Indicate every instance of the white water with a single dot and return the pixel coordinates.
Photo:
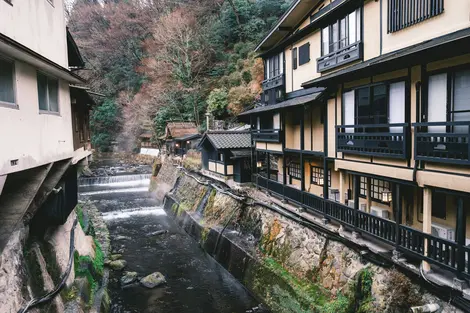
(157, 210)
(130, 183)
(137, 189)
(109, 180)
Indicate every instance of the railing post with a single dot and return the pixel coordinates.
(357, 183)
(398, 216)
(461, 235)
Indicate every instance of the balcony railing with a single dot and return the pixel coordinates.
(385, 140)
(273, 82)
(268, 135)
(340, 57)
(424, 246)
(443, 142)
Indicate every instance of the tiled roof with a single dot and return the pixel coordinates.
(228, 139)
(180, 129)
(241, 153)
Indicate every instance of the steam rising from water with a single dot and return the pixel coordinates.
(156, 210)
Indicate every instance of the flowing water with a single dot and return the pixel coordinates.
(195, 282)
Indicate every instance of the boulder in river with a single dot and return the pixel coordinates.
(128, 278)
(117, 265)
(115, 257)
(153, 280)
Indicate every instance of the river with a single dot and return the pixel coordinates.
(195, 282)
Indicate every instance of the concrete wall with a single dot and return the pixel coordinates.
(38, 25)
(28, 136)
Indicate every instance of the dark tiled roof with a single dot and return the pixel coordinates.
(285, 104)
(228, 139)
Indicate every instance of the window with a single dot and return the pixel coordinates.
(294, 170)
(402, 15)
(377, 187)
(294, 58)
(221, 157)
(342, 33)
(444, 105)
(48, 92)
(274, 66)
(7, 90)
(439, 204)
(316, 176)
(304, 54)
(377, 104)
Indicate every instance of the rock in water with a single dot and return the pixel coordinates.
(117, 265)
(157, 233)
(128, 277)
(153, 280)
(115, 257)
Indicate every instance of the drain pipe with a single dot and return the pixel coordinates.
(433, 307)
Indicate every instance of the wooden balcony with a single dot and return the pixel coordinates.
(383, 140)
(266, 135)
(273, 82)
(340, 57)
(413, 242)
(443, 142)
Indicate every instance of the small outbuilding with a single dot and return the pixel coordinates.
(227, 153)
(181, 137)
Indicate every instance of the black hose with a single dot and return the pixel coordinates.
(50, 295)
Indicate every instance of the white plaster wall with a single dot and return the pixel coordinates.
(32, 138)
(38, 25)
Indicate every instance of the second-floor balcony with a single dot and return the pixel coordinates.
(266, 135)
(383, 140)
(443, 142)
(340, 57)
(273, 82)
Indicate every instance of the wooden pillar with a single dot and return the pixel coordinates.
(398, 213)
(460, 236)
(325, 178)
(427, 218)
(302, 165)
(369, 194)
(325, 150)
(357, 184)
(342, 187)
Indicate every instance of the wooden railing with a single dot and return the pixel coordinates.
(273, 82)
(443, 142)
(340, 57)
(269, 135)
(386, 140)
(421, 245)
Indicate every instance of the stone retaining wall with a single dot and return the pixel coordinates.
(290, 267)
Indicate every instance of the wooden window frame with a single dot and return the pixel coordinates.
(293, 170)
(316, 173)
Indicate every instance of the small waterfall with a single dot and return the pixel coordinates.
(154, 210)
(119, 180)
(203, 202)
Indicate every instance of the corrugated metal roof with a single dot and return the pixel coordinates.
(285, 104)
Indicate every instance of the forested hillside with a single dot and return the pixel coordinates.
(161, 60)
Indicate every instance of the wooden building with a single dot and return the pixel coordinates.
(365, 121)
(180, 137)
(228, 154)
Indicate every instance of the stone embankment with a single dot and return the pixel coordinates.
(290, 267)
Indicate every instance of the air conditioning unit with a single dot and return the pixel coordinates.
(376, 211)
(363, 207)
(443, 232)
(333, 194)
(351, 203)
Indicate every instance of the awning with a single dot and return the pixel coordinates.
(286, 104)
(240, 154)
(428, 51)
(20, 52)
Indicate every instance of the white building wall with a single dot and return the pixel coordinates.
(37, 24)
(27, 136)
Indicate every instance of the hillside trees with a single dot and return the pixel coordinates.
(162, 60)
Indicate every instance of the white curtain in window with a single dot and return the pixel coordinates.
(396, 106)
(358, 24)
(352, 28)
(281, 63)
(325, 40)
(437, 99)
(461, 99)
(348, 106)
(268, 61)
